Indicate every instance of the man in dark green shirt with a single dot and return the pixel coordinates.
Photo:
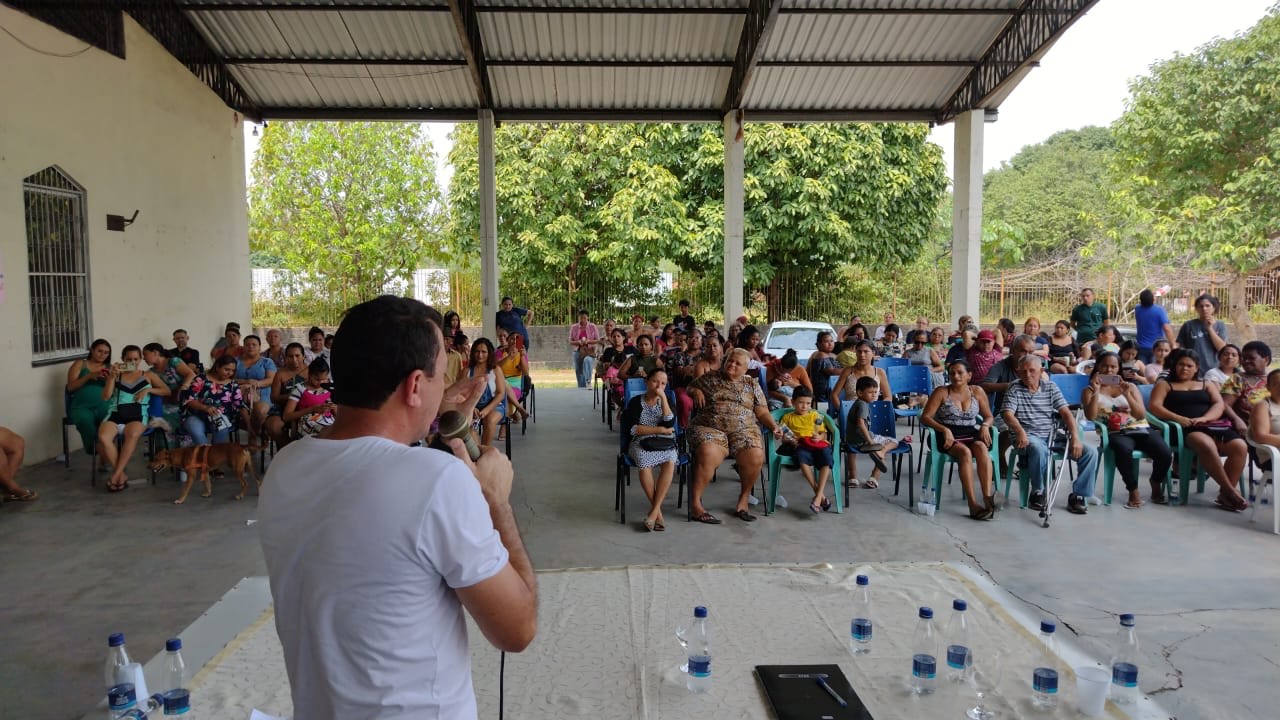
(1088, 317)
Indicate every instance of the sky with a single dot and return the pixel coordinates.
(1083, 80)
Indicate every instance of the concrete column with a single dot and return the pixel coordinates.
(966, 216)
(488, 226)
(732, 217)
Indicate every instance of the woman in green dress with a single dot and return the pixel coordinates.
(85, 379)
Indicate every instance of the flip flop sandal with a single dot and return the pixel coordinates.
(648, 524)
(25, 496)
(871, 484)
(853, 483)
(826, 504)
(744, 516)
(658, 526)
(707, 518)
(815, 508)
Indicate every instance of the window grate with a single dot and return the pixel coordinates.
(57, 266)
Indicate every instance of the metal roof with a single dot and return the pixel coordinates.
(679, 60)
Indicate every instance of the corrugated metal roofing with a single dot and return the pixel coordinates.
(572, 59)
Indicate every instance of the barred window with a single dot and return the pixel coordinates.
(57, 265)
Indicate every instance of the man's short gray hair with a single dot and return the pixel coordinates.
(1024, 338)
(1029, 359)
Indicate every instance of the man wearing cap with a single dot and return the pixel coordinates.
(684, 320)
(984, 354)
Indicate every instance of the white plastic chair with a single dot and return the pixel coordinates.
(1268, 488)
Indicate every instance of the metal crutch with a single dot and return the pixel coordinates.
(1053, 479)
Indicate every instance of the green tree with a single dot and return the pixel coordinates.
(817, 196)
(1046, 201)
(579, 206)
(607, 202)
(1198, 158)
(349, 207)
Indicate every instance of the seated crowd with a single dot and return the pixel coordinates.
(993, 407)
(275, 394)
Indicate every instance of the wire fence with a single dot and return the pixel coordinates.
(1047, 292)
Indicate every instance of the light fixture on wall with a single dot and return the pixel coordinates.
(118, 222)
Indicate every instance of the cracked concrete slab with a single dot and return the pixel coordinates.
(79, 564)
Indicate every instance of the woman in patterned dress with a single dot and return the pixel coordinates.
(649, 416)
(729, 404)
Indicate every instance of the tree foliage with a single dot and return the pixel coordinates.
(1046, 201)
(578, 206)
(349, 206)
(1198, 156)
(583, 205)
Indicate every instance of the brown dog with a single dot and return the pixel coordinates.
(201, 460)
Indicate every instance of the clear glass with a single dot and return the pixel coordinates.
(983, 676)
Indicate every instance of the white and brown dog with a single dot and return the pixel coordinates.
(201, 460)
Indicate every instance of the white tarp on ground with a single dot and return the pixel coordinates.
(606, 645)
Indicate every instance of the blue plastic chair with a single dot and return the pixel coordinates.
(625, 463)
(882, 422)
(906, 379)
(888, 362)
(776, 462)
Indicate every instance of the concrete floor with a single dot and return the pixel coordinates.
(79, 564)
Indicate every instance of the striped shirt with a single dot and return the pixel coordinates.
(1034, 410)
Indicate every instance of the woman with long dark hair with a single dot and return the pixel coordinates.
(492, 404)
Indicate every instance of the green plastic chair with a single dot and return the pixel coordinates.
(1109, 458)
(776, 462)
(936, 460)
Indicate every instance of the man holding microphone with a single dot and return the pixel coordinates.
(374, 547)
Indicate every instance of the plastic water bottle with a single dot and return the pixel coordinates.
(699, 678)
(123, 703)
(860, 626)
(1124, 663)
(959, 656)
(116, 670)
(177, 699)
(1044, 678)
(924, 654)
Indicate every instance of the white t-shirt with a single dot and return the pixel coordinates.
(364, 540)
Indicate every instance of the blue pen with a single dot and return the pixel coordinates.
(822, 680)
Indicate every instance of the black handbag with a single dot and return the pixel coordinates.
(658, 443)
(127, 413)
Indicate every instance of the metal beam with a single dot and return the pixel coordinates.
(467, 24)
(435, 6)
(165, 22)
(761, 17)
(697, 115)
(462, 62)
(440, 62)
(267, 6)
(1035, 26)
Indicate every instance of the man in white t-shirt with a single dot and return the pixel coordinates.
(375, 547)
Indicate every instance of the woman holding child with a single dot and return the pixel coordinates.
(863, 365)
(651, 423)
(961, 419)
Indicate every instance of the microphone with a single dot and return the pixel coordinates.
(453, 424)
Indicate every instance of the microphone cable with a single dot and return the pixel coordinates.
(502, 671)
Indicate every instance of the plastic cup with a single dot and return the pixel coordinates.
(1091, 690)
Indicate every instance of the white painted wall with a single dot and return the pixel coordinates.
(141, 133)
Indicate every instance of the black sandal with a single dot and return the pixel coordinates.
(744, 516)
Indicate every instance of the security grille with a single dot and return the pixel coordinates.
(57, 265)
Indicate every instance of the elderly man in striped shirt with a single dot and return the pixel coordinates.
(1028, 408)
